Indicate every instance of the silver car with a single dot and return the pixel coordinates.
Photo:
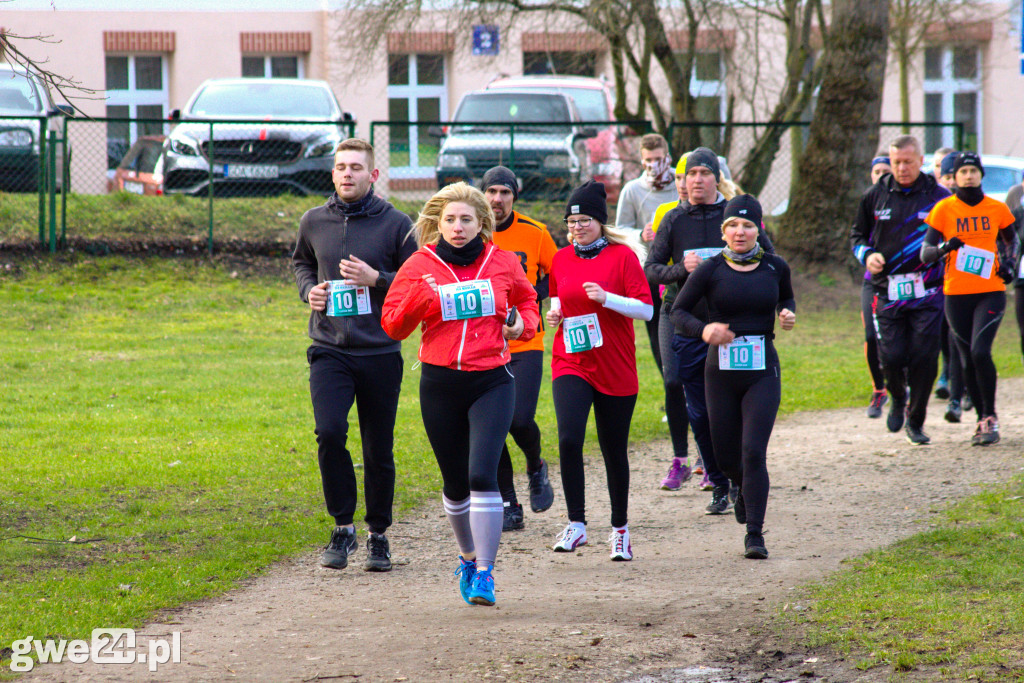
(24, 102)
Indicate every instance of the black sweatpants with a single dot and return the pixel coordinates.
(1018, 305)
(528, 368)
(908, 347)
(742, 405)
(466, 416)
(573, 397)
(336, 380)
(974, 320)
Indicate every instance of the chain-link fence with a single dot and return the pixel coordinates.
(737, 142)
(416, 159)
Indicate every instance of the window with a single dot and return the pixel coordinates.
(417, 91)
(952, 87)
(136, 89)
(272, 66)
(707, 86)
(560, 63)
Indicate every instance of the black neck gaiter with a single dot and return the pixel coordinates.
(971, 196)
(460, 256)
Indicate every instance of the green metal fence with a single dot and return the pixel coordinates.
(548, 158)
(735, 142)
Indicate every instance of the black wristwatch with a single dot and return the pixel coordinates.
(381, 282)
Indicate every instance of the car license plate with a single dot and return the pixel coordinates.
(134, 188)
(249, 171)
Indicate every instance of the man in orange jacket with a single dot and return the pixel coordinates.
(533, 244)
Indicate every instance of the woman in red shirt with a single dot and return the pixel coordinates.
(597, 288)
(461, 289)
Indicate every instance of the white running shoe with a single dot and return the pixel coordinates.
(571, 538)
(622, 550)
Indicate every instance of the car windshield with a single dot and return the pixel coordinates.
(515, 108)
(999, 178)
(590, 102)
(264, 100)
(17, 94)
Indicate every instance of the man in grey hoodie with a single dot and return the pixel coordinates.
(346, 256)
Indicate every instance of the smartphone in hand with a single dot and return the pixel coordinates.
(511, 319)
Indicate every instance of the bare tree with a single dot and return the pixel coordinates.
(844, 132)
(67, 87)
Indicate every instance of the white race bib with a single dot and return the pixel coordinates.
(470, 299)
(581, 333)
(975, 261)
(345, 300)
(906, 287)
(704, 252)
(742, 353)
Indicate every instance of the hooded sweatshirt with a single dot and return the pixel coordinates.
(376, 233)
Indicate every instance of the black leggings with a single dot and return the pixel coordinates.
(466, 416)
(974, 320)
(528, 368)
(653, 327)
(573, 397)
(1018, 305)
(742, 405)
(867, 298)
(675, 397)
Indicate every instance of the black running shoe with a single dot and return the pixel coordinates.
(739, 509)
(541, 493)
(897, 413)
(915, 436)
(343, 543)
(878, 399)
(754, 548)
(719, 504)
(512, 517)
(378, 553)
(953, 411)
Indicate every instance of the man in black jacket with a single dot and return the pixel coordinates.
(689, 233)
(346, 256)
(908, 307)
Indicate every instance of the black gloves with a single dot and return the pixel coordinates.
(949, 245)
(1005, 273)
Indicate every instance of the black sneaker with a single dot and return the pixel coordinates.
(541, 493)
(719, 504)
(953, 411)
(878, 399)
(915, 436)
(512, 517)
(894, 422)
(739, 509)
(343, 542)
(378, 553)
(754, 548)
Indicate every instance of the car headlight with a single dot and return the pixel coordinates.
(15, 138)
(451, 160)
(559, 161)
(324, 147)
(184, 147)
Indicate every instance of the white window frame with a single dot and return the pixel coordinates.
(133, 98)
(300, 66)
(413, 92)
(947, 86)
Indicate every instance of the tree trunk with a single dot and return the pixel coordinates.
(843, 134)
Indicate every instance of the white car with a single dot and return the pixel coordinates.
(1001, 173)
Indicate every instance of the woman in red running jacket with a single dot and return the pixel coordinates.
(597, 288)
(470, 297)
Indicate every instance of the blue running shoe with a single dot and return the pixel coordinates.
(482, 590)
(465, 573)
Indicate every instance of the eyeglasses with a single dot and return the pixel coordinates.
(582, 222)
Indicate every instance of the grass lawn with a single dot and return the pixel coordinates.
(156, 435)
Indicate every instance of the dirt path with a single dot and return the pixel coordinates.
(841, 484)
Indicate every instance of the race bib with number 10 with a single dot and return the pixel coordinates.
(975, 261)
(345, 300)
(581, 333)
(742, 353)
(906, 286)
(463, 300)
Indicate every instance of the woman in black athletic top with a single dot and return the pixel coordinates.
(744, 287)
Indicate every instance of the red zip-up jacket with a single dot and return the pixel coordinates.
(474, 344)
